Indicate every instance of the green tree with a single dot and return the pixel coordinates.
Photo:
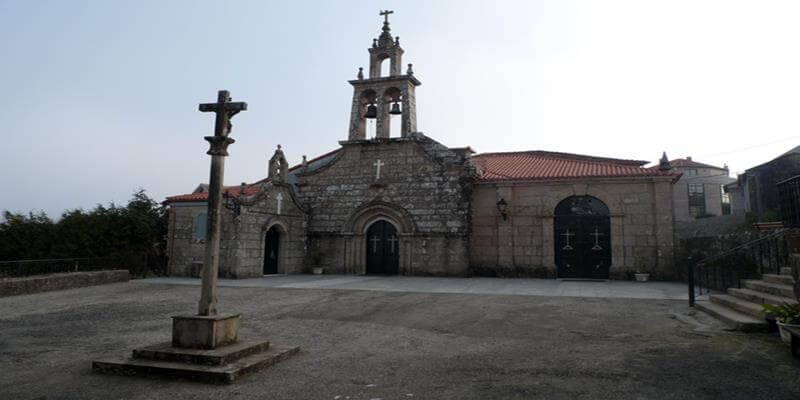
(135, 233)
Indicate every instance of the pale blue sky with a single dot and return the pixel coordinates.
(100, 97)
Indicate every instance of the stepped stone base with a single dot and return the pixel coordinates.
(223, 364)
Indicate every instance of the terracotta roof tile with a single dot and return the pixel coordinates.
(234, 191)
(544, 165)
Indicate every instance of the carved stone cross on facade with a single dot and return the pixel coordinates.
(385, 15)
(567, 234)
(378, 164)
(279, 198)
(392, 240)
(225, 110)
(597, 235)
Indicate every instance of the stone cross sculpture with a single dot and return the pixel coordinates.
(205, 347)
(225, 110)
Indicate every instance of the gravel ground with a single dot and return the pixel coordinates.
(396, 345)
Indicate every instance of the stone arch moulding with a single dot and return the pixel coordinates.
(276, 221)
(368, 213)
(614, 207)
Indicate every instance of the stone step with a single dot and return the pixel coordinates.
(786, 271)
(734, 319)
(737, 304)
(227, 373)
(782, 279)
(758, 297)
(220, 356)
(776, 289)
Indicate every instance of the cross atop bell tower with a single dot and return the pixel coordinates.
(385, 46)
(379, 97)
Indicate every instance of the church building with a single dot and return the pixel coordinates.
(403, 203)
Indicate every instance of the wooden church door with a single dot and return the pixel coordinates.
(271, 251)
(582, 238)
(383, 249)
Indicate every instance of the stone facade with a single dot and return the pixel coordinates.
(242, 245)
(438, 204)
(423, 190)
(524, 244)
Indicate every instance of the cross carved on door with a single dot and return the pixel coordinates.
(567, 234)
(375, 240)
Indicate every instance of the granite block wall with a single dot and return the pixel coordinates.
(523, 245)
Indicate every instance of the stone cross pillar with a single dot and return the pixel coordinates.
(225, 110)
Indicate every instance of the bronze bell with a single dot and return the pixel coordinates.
(372, 112)
(395, 109)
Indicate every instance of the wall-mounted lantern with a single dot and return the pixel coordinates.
(502, 206)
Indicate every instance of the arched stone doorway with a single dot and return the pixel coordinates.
(272, 242)
(383, 249)
(582, 230)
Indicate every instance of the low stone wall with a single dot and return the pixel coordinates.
(44, 283)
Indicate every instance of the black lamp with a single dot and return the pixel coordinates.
(502, 206)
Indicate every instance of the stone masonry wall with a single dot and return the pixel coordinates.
(242, 242)
(640, 215)
(424, 190)
(44, 283)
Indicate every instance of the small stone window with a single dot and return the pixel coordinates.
(200, 227)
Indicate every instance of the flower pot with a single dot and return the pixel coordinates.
(642, 277)
(785, 335)
(317, 270)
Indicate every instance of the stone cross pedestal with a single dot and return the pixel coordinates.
(207, 330)
(206, 346)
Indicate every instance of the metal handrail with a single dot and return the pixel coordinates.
(779, 232)
(720, 276)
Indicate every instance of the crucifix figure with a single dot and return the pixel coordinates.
(378, 164)
(225, 110)
(596, 235)
(375, 241)
(392, 240)
(385, 15)
(567, 234)
(279, 198)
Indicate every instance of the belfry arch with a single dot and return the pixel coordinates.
(370, 92)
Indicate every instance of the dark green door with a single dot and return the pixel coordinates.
(582, 240)
(383, 249)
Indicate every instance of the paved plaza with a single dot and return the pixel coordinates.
(402, 338)
(524, 287)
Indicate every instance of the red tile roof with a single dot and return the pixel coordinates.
(545, 165)
(687, 163)
(235, 191)
(524, 165)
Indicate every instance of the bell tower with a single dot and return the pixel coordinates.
(379, 97)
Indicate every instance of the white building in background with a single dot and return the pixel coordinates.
(700, 192)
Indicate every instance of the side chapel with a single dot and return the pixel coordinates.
(406, 204)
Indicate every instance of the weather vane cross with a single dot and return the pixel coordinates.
(385, 14)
